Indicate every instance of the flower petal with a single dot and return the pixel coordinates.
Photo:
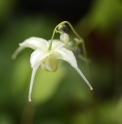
(32, 81)
(19, 49)
(68, 56)
(84, 78)
(32, 42)
(50, 63)
(56, 44)
(37, 56)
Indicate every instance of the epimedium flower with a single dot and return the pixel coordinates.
(47, 53)
(47, 59)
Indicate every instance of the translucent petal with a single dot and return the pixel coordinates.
(34, 43)
(37, 56)
(56, 44)
(32, 81)
(19, 49)
(84, 78)
(68, 56)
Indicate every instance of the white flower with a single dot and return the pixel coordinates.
(47, 59)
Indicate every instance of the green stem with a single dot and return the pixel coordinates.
(83, 44)
(87, 61)
(84, 49)
(54, 31)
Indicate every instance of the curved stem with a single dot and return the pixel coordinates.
(83, 44)
(54, 31)
(87, 61)
(84, 49)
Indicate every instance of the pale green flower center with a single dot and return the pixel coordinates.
(50, 63)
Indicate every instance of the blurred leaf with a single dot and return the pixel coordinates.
(6, 8)
(20, 74)
(83, 118)
(104, 112)
(29, 26)
(103, 16)
(118, 112)
(105, 12)
(6, 119)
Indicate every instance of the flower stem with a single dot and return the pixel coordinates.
(80, 39)
(54, 31)
(84, 49)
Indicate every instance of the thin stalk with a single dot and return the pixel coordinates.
(83, 44)
(54, 31)
(84, 50)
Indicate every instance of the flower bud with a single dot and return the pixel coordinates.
(62, 28)
(70, 43)
(77, 50)
(78, 41)
(64, 37)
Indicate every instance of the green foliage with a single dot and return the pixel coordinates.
(62, 97)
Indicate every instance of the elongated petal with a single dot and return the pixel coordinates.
(56, 44)
(32, 42)
(32, 81)
(68, 56)
(19, 49)
(37, 56)
(84, 78)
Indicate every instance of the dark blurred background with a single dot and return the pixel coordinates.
(61, 97)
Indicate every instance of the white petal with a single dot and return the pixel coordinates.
(32, 81)
(68, 56)
(56, 44)
(19, 49)
(32, 42)
(84, 78)
(37, 56)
